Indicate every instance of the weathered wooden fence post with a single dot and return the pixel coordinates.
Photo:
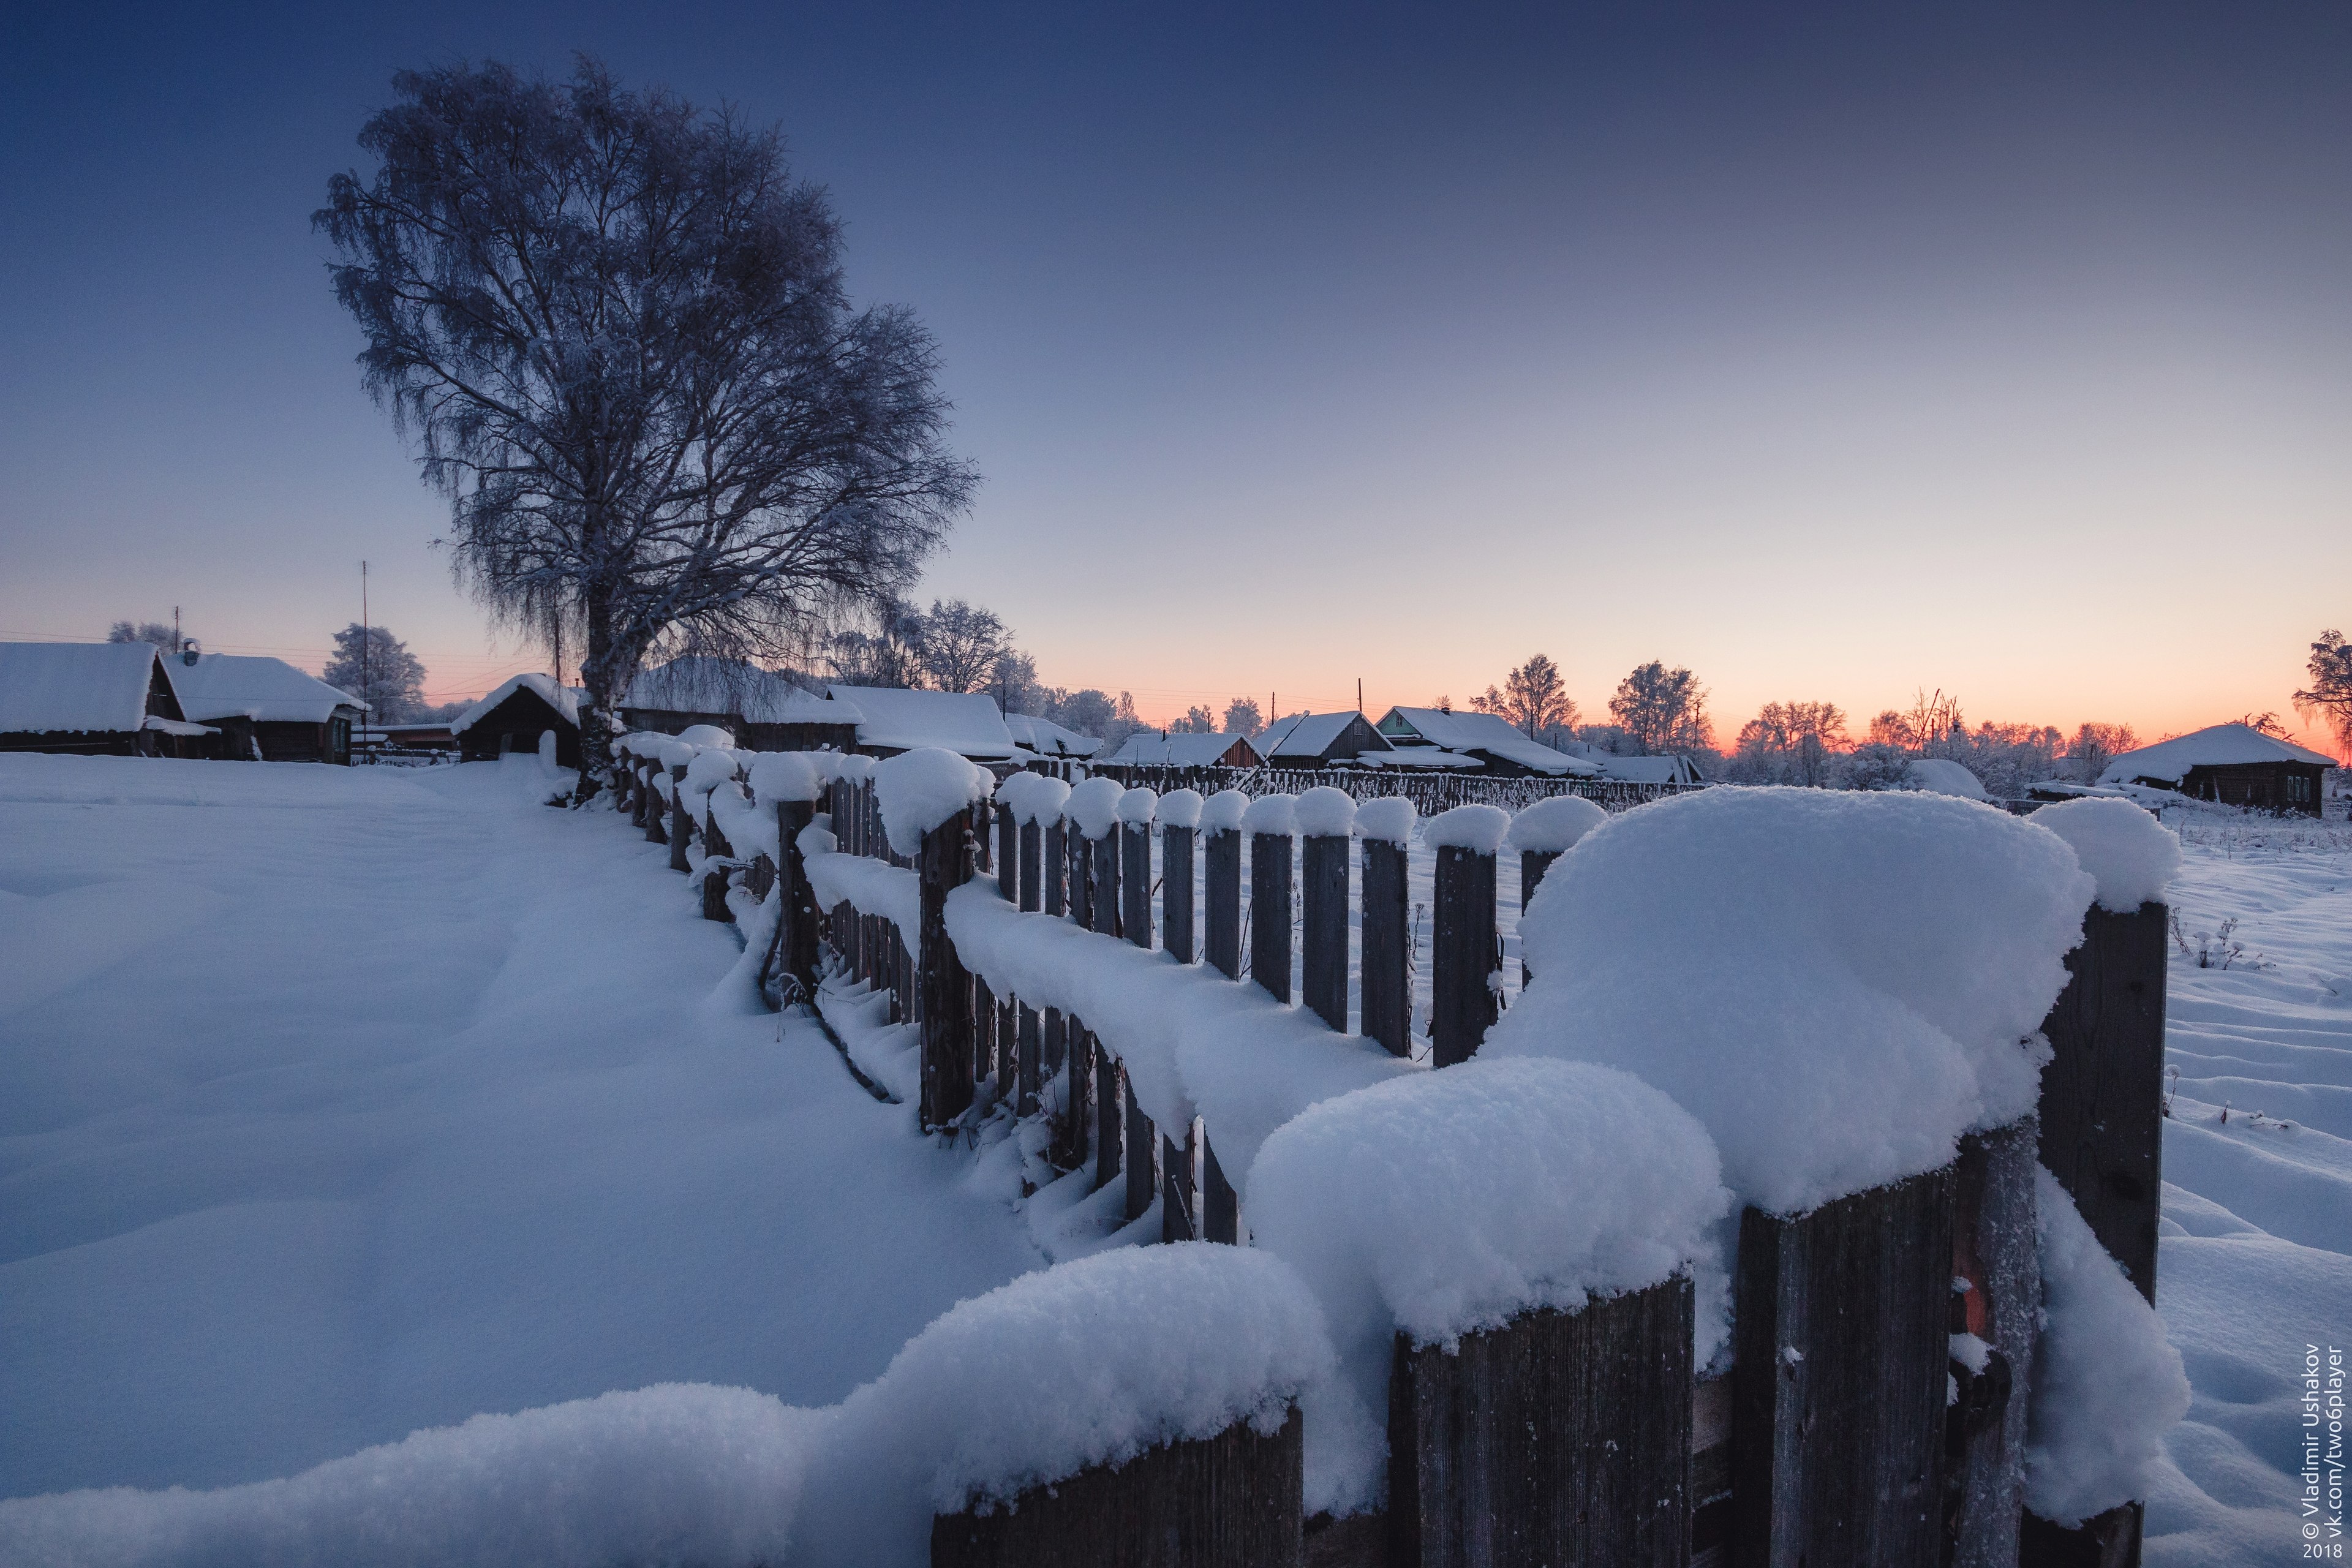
(797, 940)
(1559, 1440)
(1269, 824)
(1325, 817)
(1110, 1095)
(678, 818)
(1179, 1220)
(1178, 811)
(1135, 813)
(1995, 1255)
(945, 986)
(1031, 868)
(2102, 1137)
(1102, 885)
(1462, 991)
(1223, 901)
(1142, 1155)
(1221, 1206)
(1387, 982)
(1842, 1342)
(1233, 1499)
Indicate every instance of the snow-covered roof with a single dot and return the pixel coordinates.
(700, 683)
(2222, 746)
(1941, 775)
(965, 722)
(230, 685)
(1309, 735)
(565, 700)
(1488, 732)
(1149, 749)
(1645, 770)
(1048, 739)
(1435, 758)
(75, 686)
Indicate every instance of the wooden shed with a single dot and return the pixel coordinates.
(94, 699)
(1180, 749)
(1319, 740)
(265, 710)
(2235, 764)
(516, 715)
(1501, 748)
(763, 710)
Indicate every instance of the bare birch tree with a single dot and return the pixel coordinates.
(618, 330)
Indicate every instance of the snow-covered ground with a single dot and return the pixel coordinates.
(335, 1103)
(2256, 1261)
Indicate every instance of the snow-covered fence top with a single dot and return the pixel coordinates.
(919, 790)
(1837, 985)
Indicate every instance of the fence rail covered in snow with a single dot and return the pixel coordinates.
(1430, 792)
(1087, 962)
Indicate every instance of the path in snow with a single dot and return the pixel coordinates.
(337, 1104)
(2256, 1260)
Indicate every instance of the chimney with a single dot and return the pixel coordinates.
(189, 653)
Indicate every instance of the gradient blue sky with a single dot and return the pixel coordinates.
(1830, 352)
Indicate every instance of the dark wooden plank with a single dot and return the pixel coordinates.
(1008, 854)
(678, 824)
(1533, 864)
(1176, 892)
(1177, 1220)
(1102, 890)
(1143, 1154)
(1027, 1072)
(1841, 1344)
(1221, 1206)
(1386, 987)
(1462, 1003)
(1233, 1501)
(1082, 880)
(1078, 1112)
(983, 1036)
(1223, 899)
(943, 1005)
(1057, 868)
(1323, 933)
(797, 934)
(1269, 918)
(1560, 1440)
(1135, 882)
(1110, 1097)
(2103, 1093)
(1031, 868)
(714, 893)
(2110, 1540)
(1994, 1249)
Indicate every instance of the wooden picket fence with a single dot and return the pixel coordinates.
(1430, 791)
(1561, 1438)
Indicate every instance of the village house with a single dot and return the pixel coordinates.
(98, 698)
(1149, 749)
(893, 719)
(1047, 740)
(514, 717)
(1488, 741)
(763, 710)
(1319, 740)
(265, 709)
(2235, 764)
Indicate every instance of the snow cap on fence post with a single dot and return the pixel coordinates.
(1837, 984)
(1039, 798)
(2128, 853)
(1588, 1182)
(1170, 1343)
(1092, 806)
(708, 735)
(1324, 812)
(920, 789)
(1389, 819)
(1223, 812)
(1136, 807)
(1478, 828)
(672, 752)
(1180, 808)
(780, 776)
(1273, 815)
(1553, 825)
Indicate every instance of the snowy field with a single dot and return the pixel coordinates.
(336, 1104)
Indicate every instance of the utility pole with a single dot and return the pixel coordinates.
(178, 647)
(1359, 696)
(363, 645)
